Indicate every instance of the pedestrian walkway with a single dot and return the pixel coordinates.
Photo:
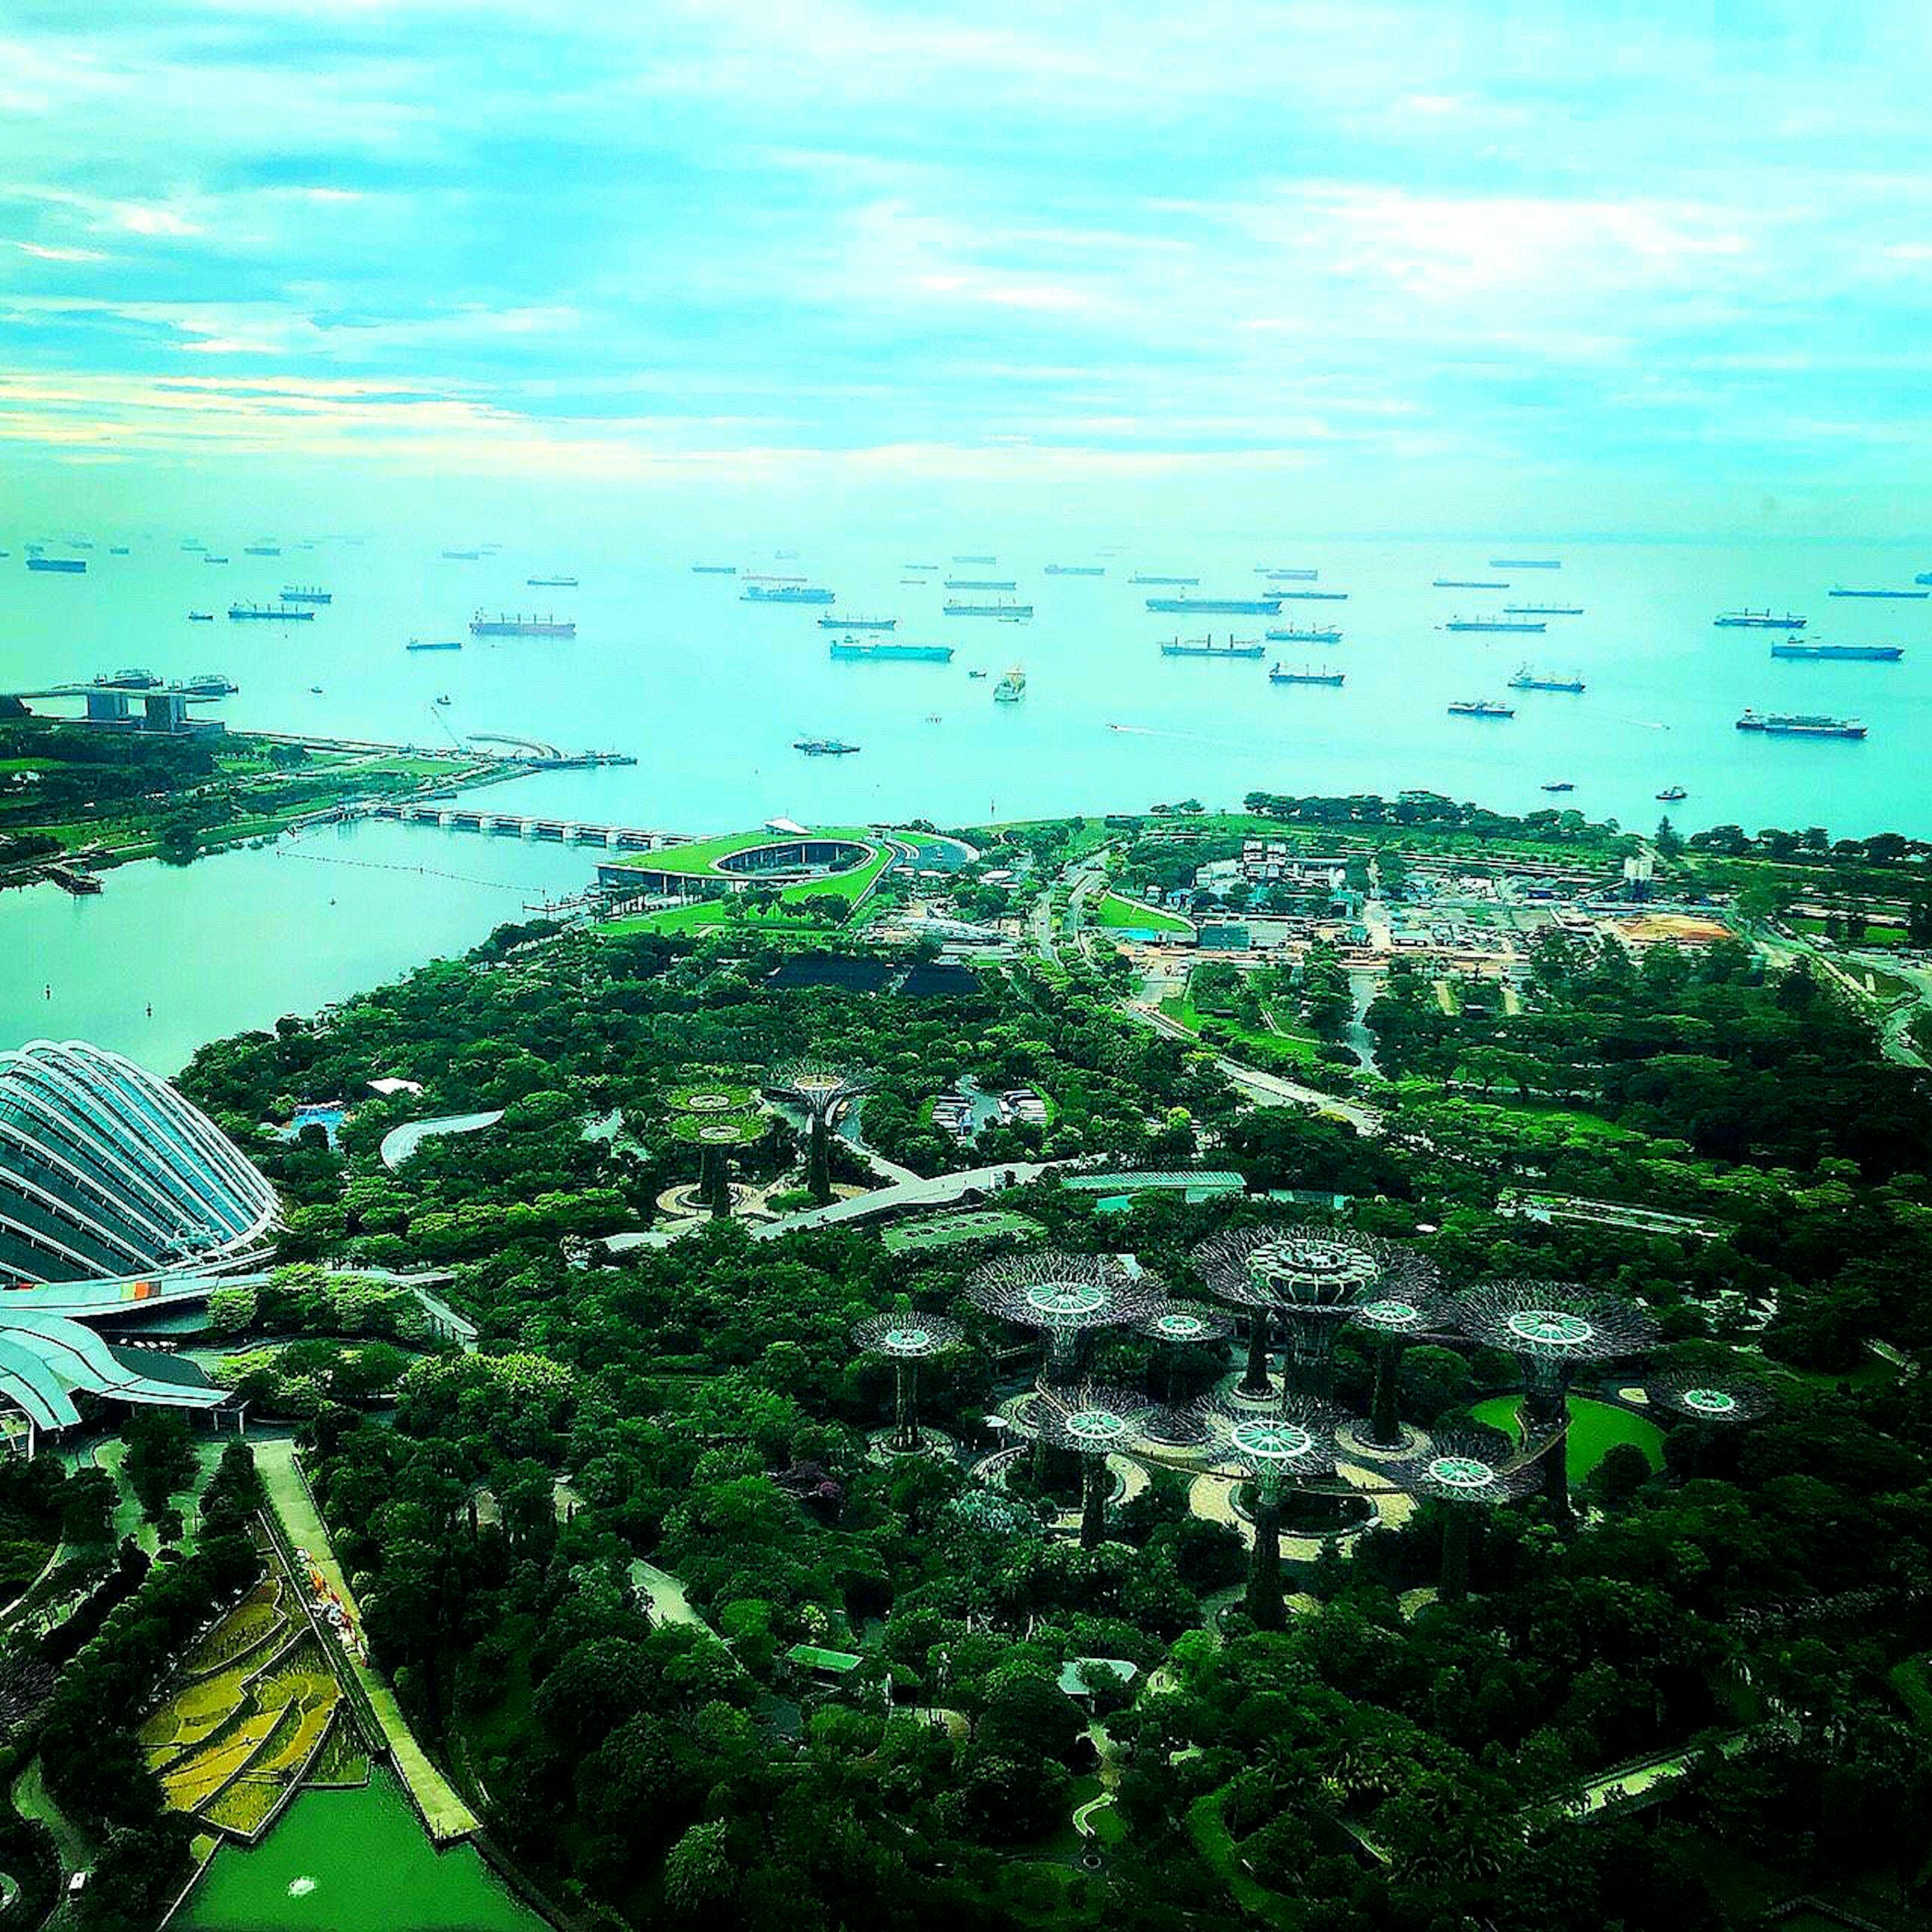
(443, 1812)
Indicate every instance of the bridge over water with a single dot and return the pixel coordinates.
(453, 816)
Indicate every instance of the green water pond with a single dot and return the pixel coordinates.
(352, 1861)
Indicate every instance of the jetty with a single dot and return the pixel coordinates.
(450, 816)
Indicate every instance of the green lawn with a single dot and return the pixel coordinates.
(1595, 1429)
(1111, 910)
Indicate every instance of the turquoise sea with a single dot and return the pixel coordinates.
(708, 692)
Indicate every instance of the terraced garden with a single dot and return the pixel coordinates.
(251, 1705)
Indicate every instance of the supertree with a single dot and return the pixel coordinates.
(1467, 1470)
(1064, 1295)
(1310, 1281)
(1095, 1421)
(1292, 1444)
(821, 1087)
(905, 1340)
(1712, 1400)
(717, 1118)
(1553, 1328)
(1395, 1320)
(1182, 1325)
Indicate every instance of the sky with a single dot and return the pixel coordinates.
(1621, 268)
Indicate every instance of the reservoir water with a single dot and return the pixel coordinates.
(351, 1860)
(708, 692)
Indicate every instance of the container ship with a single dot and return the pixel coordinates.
(521, 626)
(1011, 688)
(1006, 607)
(1206, 647)
(1324, 676)
(714, 570)
(1757, 620)
(1224, 607)
(830, 623)
(1526, 679)
(1897, 595)
(823, 748)
(1173, 582)
(854, 650)
(433, 644)
(1467, 583)
(1480, 707)
(1800, 724)
(306, 593)
(1840, 653)
(1525, 563)
(1495, 624)
(269, 613)
(1542, 610)
(787, 593)
(71, 566)
(550, 583)
(1076, 570)
(1307, 634)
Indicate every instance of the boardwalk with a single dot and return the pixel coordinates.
(445, 1813)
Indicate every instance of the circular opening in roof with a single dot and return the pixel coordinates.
(1461, 1472)
(1552, 1327)
(1063, 1300)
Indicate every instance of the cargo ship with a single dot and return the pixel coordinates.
(856, 650)
(975, 559)
(1011, 688)
(1206, 647)
(1006, 607)
(1800, 724)
(1526, 679)
(1525, 563)
(1287, 576)
(714, 570)
(1175, 582)
(1757, 620)
(462, 556)
(117, 549)
(919, 566)
(1468, 583)
(1840, 653)
(433, 644)
(1076, 570)
(1924, 577)
(1309, 634)
(1542, 610)
(209, 556)
(551, 583)
(261, 550)
(823, 748)
(1896, 594)
(521, 626)
(1324, 676)
(981, 583)
(1480, 707)
(306, 593)
(1498, 624)
(1224, 607)
(269, 613)
(787, 593)
(1317, 596)
(831, 623)
(201, 616)
(71, 566)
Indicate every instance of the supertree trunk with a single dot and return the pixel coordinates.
(1457, 1530)
(905, 1406)
(1545, 1413)
(1094, 1484)
(1384, 1425)
(1310, 1367)
(1264, 1598)
(818, 1164)
(1255, 1381)
(714, 1182)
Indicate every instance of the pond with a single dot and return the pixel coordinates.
(351, 1861)
(1595, 1429)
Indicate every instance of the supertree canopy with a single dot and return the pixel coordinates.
(1095, 1421)
(717, 1136)
(821, 1087)
(1182, 1325)
(1717, 1400)
(1553, 1328)
(1293, 1444)
(1064, 1295)
(1310, 1281)
(905, 1340)
(1468, 1470)
(1394, 1320)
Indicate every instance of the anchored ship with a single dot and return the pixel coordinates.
(714, 570)
(1480, 707)
(981, 583)
(1526, 679)
(823, 748)
(1307, 634)
(1525, 563)
(306, 593)
(1840, 653)
(201, 616)
(433, 644)
(1318, 596)
(830, 623)
(71, 566)
(521, 626)
(279, 613)
(1468, 583)
(1559, 784)
(1006, 607)
(1495, 624)
(462, 556)
(1282, 576)
(262, 550)
(551, 583)
(1076, 570)
(854, 650)
(1895, 594)
(1800, 724)
(1226, 607)
(1542, 610)
(1757, 620)
(1671, 794)
(1304, 676)
(1181, 582)
(975, 559)
(1206, 647)
(787, 593)
(1011, 688)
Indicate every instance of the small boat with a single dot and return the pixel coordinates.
(1670, 794)
(1558, 785)
(442, 697)
(1011, 688)
(315, 691)
(201, 616)
(975, 673)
